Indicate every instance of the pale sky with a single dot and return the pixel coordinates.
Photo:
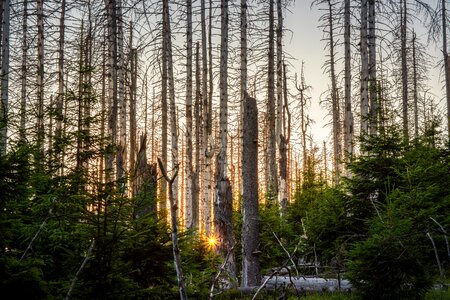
(304, 43)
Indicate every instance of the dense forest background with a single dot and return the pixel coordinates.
(160, 149)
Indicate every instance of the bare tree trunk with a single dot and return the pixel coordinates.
(133, 100)
(272, 177)
(5, 78)
(250, 214)
(446, 61)
(373, 122)
(61, 90)
(415, 93)
(223, 201)
(172, 107)
(364, 70)
(164, 117)
(40, 78)
(206, 207)
(174, 223)
(112, 86)
(404, 70)
(188, 165)
(244, 79)
(198, 146)
(122, 146)
(335, 102)
(348, 115)
(24, 71)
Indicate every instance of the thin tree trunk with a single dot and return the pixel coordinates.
(174, 223)
(112, 87)
(61, 90)
(335, 102)
(24, 71)
(40, 79)
(415, 93)
(250, 214)
(404, 70)
(244, 79)
(188, 165)
(122, 146)
(446, 61)
(206, 128)
(133, 100)
(364, 70)
(172, 107)
(348, 115)
(373, 122)
(164, 118)
(198, 145)
(5, 78)
(272, 176)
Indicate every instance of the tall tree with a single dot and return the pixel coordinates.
(446, 60)
(364, 79)
(404, 62)
(164, 116)
(250, 214)
(4, 77)
(223, 200)
(61, 90)
(272, 177)
(348, 115)
(372, 68)
(24, 70)
(188, 164)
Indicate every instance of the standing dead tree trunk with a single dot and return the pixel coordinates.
(172, 107)
(446, 61)
(4, 77)
(24, 71)
(188, 164)
(174, 223)
(348, 116)
(250, 214)
(364, 79)
(40, 79)
(403, 18)
(61, 89)
(272, 177)
(373, 122)
(223, 200)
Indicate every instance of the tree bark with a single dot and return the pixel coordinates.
(250, 214)
(40, 79)
(164, 116)
(223, 200)
(24, 71)
(5, 78)
(446, 62)
(373, 121)
(174, 223)
(364, 109)
(272, 172)
(403, 12)
(348, 115)
(188, 164)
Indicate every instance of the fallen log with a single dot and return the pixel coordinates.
(307, 284)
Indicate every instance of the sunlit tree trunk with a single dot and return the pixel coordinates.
(122, 146)
(244, 79)
(188, 165)
(5, 77)
(198, 146)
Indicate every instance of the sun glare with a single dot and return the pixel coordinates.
(212, 242)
